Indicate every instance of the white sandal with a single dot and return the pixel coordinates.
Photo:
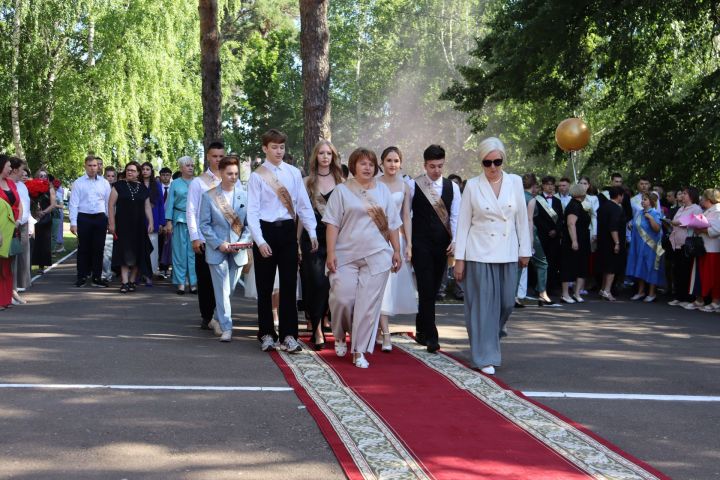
(360, 361)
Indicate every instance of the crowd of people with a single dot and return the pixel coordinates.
(362, 242)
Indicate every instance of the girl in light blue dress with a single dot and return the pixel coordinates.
(645, 261)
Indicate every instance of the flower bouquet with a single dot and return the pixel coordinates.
(37, 187)
(694, 221)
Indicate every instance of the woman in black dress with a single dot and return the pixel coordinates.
(611, 240)
(575, 246)
(43, 208)
(129, 212)
(325, 173)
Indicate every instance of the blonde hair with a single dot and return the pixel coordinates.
(182, 161)
(577, 190)
(491, 144)
(712, 195)
(311, 182)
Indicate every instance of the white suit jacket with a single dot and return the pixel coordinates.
(490, 229)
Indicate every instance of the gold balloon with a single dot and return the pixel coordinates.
(572, 134)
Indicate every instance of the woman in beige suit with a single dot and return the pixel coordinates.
(493, 240)
(363, 246)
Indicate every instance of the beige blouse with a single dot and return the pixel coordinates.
(358, 236)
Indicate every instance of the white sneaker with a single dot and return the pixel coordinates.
(637, 296)
(713, 307)
(682, 304)
(268, 344)
(649, 299)
(216, 327)
(340, 349)
(226, 336)
(674, 303)
(489, 370)
(291, 345)
(692, 306)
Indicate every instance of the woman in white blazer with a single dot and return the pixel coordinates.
(493, 240)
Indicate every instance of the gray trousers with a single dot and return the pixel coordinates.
(489, 300)
(355, 302)
(21, 261)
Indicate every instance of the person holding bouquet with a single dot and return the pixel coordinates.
(42, 195)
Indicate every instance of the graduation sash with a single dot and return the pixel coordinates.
(282, 193)
(548, 208)
(317, 199)
(375, 211)
(219, 199)
(655, 246)
(209, 180)
(427, 188)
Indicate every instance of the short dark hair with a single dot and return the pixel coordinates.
(616, 192)
(694, 194)
(360, 153)
(228, 161)
(273, 136)
(16, 163)
(3, 160)
(565, 179)
(643, 178)
(90, 158)
(389, 150)
(134, 164)
(455, 176)
(434, 152)
(216, 145)
(529, 179)
(616, 175)
(110, 168)
(547, 179)
(165, 170)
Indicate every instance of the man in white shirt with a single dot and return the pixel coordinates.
(563, 193)
(89, 221)
(276, 193)
(200, 184)
(21, 263)
(435, 207)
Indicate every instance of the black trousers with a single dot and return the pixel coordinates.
(551, 247)
(682, 269)
(91, 230)
(282, 238)
(206, 294)
(429, 261)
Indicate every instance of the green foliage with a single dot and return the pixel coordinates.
(641, 74)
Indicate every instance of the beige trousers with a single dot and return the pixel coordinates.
(355, 300)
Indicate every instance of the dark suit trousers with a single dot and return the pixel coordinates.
(91, 230)
(429, 262)
(206, 294)
(282, 239)
(551, 247)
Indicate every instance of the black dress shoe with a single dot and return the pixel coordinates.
(519, 305)
(543, 303)
(205, 325)
(503, 332)
(433, 346)
(420, 338)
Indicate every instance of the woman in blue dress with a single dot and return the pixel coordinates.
(645, 260)
(183, 256)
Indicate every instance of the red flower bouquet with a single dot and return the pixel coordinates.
(37, 187)
(56, 183)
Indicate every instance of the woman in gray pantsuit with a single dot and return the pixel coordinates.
(493, 240)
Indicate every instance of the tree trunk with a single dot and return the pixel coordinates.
(315, 56)
(210, 71)
(15, 95)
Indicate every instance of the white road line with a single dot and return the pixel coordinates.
(204, 388)
(32, 280)
(624, 396)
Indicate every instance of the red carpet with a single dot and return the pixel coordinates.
(416, 415)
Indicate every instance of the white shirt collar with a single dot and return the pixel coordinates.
(268, 164)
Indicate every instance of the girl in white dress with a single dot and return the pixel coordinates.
(400, 296)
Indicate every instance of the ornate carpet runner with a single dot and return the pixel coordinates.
(415, 415)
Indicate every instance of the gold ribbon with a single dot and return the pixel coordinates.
(279, 189)
(656, 246)
(227, 210)
(548, 209)
(428, 189)
(375, 211)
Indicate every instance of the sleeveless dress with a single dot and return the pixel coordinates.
(132, 247)
(400, 296)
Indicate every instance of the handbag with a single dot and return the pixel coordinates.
(15, 244)
(694, 247)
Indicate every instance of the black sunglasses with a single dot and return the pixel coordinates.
(488, 163)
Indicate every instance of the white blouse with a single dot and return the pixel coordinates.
(493, 229)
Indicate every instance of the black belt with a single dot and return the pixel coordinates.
(277, 224)
(92, 214)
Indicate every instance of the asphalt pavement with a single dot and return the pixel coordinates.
(92, 336)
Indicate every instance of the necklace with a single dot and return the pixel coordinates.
(498, 180)
(323, 175)
(134, 191)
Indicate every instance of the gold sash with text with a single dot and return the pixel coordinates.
(217, 195)
(548, 208)
(282, 193)
(427, 188)
(375, 211)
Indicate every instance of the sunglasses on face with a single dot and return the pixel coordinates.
(489, 163)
